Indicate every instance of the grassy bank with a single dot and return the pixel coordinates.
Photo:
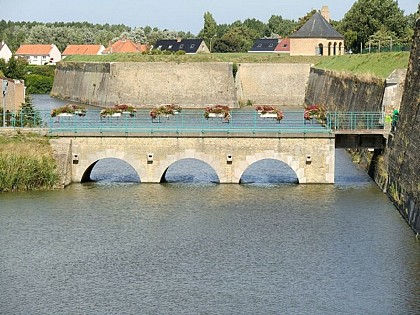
(26, 163)
(230, 57)
(378, 65)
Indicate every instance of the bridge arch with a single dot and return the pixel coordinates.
(183, 155)
(197, 171)
(269, 171)
(284, 158)
(82, 173)
(112, 169)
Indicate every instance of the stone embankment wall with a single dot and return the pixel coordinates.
(404, 164)
(186, 84)
(342, 92)
(272, 84)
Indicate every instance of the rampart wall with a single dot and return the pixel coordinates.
(404, 165)
(187, 84)
(342, 92)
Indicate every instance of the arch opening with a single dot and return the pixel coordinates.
(269, 172)
(320, 49)
(109, 170)
(329, 48)
(190, 170)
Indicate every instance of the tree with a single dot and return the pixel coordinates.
(209, 29)
(304, 19)
(16, 68)
(366, 17)
(258, 26)
(236, 39)
(280, 26)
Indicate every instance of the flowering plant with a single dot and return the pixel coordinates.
(165, 110)
(69, 109)
(267, 109)
(314, 111)
(118, 109)
(222, 110)
(126, 109)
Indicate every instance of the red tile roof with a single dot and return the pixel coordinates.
(82, 50)
(283, 45)
(124, 46)
(34, 50)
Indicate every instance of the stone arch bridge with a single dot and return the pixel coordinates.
(311, 156)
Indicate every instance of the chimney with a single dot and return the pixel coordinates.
(325, 12)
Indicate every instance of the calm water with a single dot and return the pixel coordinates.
(190, 246)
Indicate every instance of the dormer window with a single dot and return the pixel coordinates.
(181, 46)
(271, 45)
(259, 45)
(192, 45)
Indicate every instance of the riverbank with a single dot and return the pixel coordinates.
(26, 162)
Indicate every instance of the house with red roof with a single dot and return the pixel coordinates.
(283, 47)
(125, 46)
(5, 52)
(39, 54)
(82, 50)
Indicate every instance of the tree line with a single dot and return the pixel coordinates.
(366, 22)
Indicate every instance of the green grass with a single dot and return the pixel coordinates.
(378, 65)
(26, 163)
(217, 57)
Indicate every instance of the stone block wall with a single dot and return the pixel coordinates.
(404, 163)
(339, 92)
(191, 85)
(272, 84)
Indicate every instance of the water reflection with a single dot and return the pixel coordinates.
(110, 170)
(190, 171)
(269, 171)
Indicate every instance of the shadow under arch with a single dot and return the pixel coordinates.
(269, 171)
(111, 170)
(189, 170)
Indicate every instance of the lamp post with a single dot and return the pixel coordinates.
(211, 41)
(4, 89)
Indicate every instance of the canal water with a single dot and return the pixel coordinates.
(192, 246)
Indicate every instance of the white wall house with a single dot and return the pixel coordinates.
(39, 54)
(5, 52)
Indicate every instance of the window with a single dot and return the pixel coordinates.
(259, 45)
(271, 45)
(44, 57)
(35, 57)
(181, 46)
(170, 46)
(192, 46)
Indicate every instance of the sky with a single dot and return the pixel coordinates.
(174, 15)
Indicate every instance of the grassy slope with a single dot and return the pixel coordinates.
(26, 163)
(376, 64)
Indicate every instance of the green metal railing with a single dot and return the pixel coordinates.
(355, 120)
(193, 121)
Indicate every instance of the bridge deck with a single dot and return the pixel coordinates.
(192, 123)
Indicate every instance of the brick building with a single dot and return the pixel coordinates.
(317, 37)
